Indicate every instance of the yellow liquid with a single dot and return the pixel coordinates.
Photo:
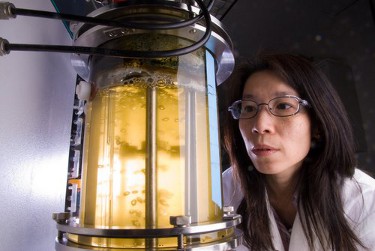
(146, 158)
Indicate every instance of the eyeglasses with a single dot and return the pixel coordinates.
(284, 106)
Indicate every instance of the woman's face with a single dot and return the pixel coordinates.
(276, 145)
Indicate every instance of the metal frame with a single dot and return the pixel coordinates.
(219, 43)
(178, 231)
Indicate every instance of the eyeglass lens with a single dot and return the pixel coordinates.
(281, 107)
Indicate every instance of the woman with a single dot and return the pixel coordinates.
(293, 177)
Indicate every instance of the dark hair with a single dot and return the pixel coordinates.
(322, 172)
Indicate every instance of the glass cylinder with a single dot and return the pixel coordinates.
(151, 144)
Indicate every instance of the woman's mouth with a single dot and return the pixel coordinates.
(263, 150)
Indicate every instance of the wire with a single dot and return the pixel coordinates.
(106, 22)
(227, 10)
(7, 47)
(90, 50)
(210, 4)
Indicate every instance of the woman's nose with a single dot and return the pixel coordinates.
(263, 121)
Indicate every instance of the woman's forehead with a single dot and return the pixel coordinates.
(266, 84)
(271, 94)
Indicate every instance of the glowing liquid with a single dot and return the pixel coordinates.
(147, 157)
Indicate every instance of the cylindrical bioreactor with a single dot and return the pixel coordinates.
(150, 177)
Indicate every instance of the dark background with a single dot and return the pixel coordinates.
(339, 33)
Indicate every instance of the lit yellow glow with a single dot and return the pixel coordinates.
(120, 172)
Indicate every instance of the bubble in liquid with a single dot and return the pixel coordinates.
(140, 200)
(161, 107)
(118, 140)
(165, 119)
(138, 213)
(133, 202)
(163, 202)
(136, 223)
(126, 193)
(134, 192)
(160, 83)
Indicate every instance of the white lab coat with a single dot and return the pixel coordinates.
(359, 210)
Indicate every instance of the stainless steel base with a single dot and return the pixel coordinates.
(65, 245)
(178, 232)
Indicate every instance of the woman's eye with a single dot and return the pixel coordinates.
(248, 108)
(283, 106)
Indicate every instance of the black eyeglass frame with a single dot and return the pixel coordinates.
(233, 111)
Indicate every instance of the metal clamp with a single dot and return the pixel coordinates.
(61, 218)
(3, 50)
(6, 10)
(180, 221)
(229, 213)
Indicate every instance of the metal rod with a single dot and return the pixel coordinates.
(110, 133)
(191, 161)
(188, 151)
(180, 242)
(151, 186)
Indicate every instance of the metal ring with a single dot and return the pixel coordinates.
(148, 233)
